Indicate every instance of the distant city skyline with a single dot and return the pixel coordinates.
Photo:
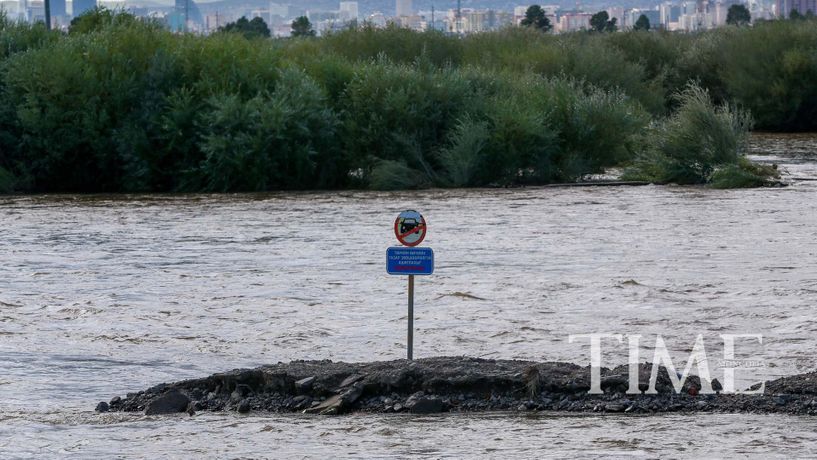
(208, 16)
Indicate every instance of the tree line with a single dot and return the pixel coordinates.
(127, 106)
(535, 17)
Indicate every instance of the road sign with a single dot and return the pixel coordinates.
(409, 261)
(410, 228)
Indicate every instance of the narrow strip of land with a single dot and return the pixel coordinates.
(456, 384)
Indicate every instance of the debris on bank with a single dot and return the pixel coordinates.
(452, 384)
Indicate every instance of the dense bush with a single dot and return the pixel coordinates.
(700, 143)
(400, 45)
(116, 110)
(538, 130)
(99, 18)
(7, 181)
(124, 105)
(277, 140)
(772, 70)
(743, 174)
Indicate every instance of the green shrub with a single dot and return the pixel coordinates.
(225, 63)
(100, 18)
(116, 111)
(330, 71)
(743, 174)
(771, 69)
(524, 131)
(701, 143)
(597, 129)
(7, 181)
(280, 140)
(516, 49)
(128, 106)
(18, 36)
(700, 62)
(463, 160)
(590, 58)
(98, 97)
(401, 113)
(399, 45)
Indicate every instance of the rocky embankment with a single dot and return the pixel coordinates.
(451, 384)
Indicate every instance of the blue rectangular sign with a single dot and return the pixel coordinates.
(409, 261)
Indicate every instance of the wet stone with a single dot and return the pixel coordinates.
(169, 403)
(615, 407)
(301, 402)
(330, 406)
(304, 385)
(442, 384)
(244, 406)
(350, 380)
(425, 405)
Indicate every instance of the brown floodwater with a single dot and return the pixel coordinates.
(102, 295)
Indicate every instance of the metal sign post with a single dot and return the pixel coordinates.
(410, 335)
(410, 228)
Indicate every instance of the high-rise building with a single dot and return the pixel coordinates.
(617, 13)
(668, 13)
(10, 8)
(186, 13)
(81, 6)
(785, 7)
(348, 11)
(404, 8)
(474, 21)
(57, 8)
(570, 22)
(719, 13)
(212, 22)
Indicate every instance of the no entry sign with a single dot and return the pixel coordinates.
(410, 228)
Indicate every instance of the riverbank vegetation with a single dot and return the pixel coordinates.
(128, 106)
(700, 143)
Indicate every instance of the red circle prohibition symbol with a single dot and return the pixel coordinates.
(410, 228)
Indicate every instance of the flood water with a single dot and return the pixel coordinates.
(103, 295)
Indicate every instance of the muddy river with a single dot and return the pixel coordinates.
(102, 295)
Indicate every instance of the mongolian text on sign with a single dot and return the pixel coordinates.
(409, 261)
